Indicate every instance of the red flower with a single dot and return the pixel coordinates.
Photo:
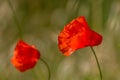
(25, 56)
(76, 35)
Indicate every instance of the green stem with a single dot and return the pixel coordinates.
(49, 74)
(15, 18)
(100, 71)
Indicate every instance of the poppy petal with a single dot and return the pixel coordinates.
(25, 56)
(76, 35)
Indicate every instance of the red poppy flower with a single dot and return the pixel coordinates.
(25, 56)
(76, 35)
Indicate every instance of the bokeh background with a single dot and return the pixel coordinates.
(40, 23)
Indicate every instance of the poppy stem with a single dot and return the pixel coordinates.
(49, 74)
(15, 19)
(100, 71)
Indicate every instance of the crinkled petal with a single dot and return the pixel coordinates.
(25, 56)
(76, 35)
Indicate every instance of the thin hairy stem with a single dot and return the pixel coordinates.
(49, 74)
(100, 71)
(15, 19)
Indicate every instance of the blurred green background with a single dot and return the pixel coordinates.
(42, 20)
